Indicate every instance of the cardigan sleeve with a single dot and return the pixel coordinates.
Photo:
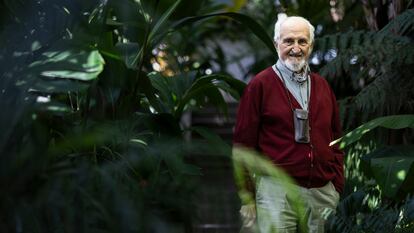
(339, 179)
(246, 130)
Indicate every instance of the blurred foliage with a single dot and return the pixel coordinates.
(92, 139)
(249, 164)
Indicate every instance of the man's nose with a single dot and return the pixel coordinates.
(296, 48)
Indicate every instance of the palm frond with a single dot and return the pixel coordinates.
(375, 66)
(402, 25)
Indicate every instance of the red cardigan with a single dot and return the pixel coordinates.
(265, 123)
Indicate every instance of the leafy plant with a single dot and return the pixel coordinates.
(92, 137)
(374, 67)
(371, 70)
(176, 92)
(365, 211)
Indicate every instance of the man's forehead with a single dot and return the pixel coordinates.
(295, 22)
(294, 27)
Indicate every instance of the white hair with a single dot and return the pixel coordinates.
(282, 17)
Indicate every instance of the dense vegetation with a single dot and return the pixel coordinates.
(94, 96)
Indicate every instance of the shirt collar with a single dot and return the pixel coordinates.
(299, 78)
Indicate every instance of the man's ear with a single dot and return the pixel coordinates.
(275, 44)
(311, 48)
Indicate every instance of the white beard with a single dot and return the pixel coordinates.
(295, 66)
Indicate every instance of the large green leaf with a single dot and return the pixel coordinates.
(69, 63)
(390, 122)
(391, 167)
(175, 93)
(162, 21)
(171, 89)
(208, 86)
(165, 94)
(151, 32)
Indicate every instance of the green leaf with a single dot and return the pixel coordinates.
(163, 86)
(58, 86)
(129, 52)
(143, 10)
(390, 122)
(390, 167)
(171, 89)
(163, 20)
(97, 12)
(55, 107)
(202, 87)
(147, 88)
(71, 63)
(111, 54)
(176, 92)
(208, 93)
(114, 23)
(401, 25)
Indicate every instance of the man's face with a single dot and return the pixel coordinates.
(294, 46)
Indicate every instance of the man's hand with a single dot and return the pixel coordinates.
(248, 215)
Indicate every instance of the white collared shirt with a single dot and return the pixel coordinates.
(301, 92)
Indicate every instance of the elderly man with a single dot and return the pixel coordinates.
(290, 115)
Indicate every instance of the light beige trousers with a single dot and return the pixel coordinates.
(288, 208)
